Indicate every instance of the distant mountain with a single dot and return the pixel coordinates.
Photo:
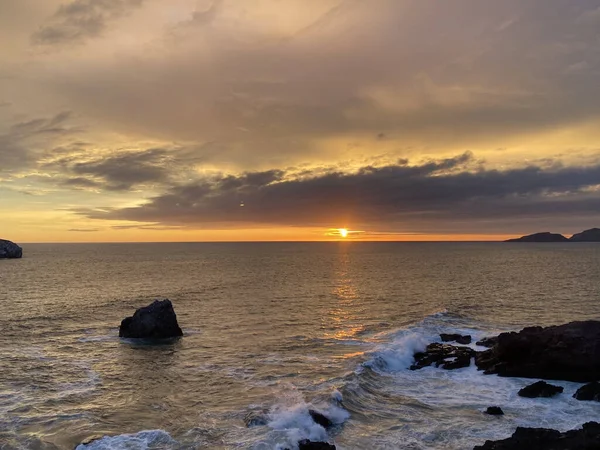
(541, 237)
(592, 235)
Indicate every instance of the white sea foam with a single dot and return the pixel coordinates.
(461, 396)
(144, 440)
(291, 416)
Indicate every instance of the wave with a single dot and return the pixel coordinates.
(143, 440)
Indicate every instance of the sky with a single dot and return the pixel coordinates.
(220, 120)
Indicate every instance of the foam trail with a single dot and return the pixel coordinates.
(144, 440)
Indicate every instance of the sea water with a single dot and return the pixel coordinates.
(278, 328)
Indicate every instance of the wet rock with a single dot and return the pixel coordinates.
(155, 321)
(587, 438)
(568, 352)
(589, 392)
(309, 445)
(256, 419)
(487, 342)
(10, 250)
(459, 338)
(89, 440)
(540, 389)
(320, 419)
(446, 356)
(494, 411)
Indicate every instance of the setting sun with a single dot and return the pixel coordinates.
(343, 232)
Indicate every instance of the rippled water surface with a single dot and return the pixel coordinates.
(279, 327)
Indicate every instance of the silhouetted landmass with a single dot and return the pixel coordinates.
(592, 235)
(541, 237)
(9, 249)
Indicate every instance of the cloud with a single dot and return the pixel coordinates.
(394, 197)
(84, 230)
(79, 20)
(116, 172)
(22, 143)
(423, 75)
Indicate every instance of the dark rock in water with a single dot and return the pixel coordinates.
(588, 438)
(589, 392)
(456, 338)
(10, 250)
(309, 445)
(320, 419)
(256, 419)
(540, 389)
(494, 411)
(592, 235)
(568, 352)
(155, 321)
(541, 237)
(488, 342)
(446, 356)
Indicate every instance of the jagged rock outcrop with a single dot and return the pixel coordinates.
(494, 411)
(458, 338)
(309, 445)
(540, 389)
(589, 392)
(587, 438)
(488, 342)
(541, 237)
(446, 356)
(155, 321)
(568, 352)
(10, 250)
(592, 235)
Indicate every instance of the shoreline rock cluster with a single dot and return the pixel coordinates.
(569, 352)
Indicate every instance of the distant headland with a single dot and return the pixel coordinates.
(591, 235)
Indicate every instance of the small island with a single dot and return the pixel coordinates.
(10, 250)
(592, 235)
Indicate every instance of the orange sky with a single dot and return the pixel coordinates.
(412, 120)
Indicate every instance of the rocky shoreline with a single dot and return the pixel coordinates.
(569, 352)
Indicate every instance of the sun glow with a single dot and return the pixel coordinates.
(343, 232)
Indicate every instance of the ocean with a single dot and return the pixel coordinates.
(279, 328)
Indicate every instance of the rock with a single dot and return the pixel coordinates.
(320, 419)
(568, 352)
(456, 338)
(155, 321)
(89, 440)
(256, 419)
(587, 438)
(446, 356)
(309, 445)
(10, 250)
(541, 237)
(540, 389)
(592, 235)
(588, 392)
(488, 342)
(494, 411)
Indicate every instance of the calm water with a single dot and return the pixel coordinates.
(277, 327)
